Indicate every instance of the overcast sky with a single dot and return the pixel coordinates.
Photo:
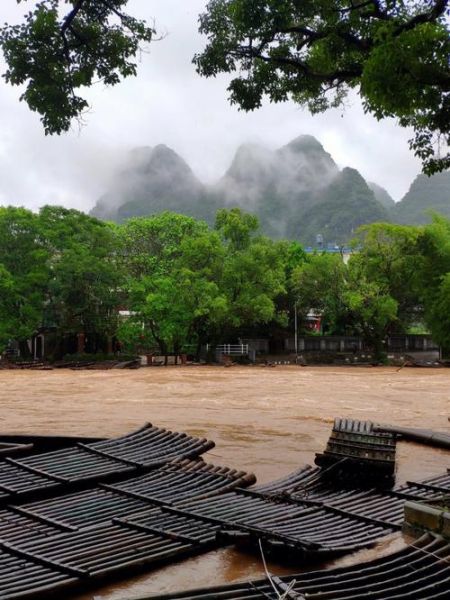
(169, 103)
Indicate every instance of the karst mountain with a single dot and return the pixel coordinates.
(297, 191)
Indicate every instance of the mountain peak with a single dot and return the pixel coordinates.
(304, 143)
(306, 152)
(250, 163)
(382, 195)
(164, 157)
(426, 194)
(162, 149)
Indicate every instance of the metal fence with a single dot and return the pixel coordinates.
(330, 343)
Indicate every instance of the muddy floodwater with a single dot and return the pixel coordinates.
(265, 420)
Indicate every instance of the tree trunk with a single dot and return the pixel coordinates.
(176, 349)
(24, 349)
(81, 343)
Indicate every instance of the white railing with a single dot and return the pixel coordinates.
(233, 349)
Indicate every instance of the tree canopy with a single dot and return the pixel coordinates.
(172, 284)
(59, 49)
(24, 274)
(434, 289)
(189, 285)
(394, 52)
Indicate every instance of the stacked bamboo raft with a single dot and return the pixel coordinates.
(286, 526)
(310, 485)
(79, 515)
(357, 450)
(418, 572)
(69, 468)
(75, 538)
(105, 502)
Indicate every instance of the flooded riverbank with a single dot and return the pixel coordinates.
(265, 420)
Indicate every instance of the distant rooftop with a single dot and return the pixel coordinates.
(330, 249)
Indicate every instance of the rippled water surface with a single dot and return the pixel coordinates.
(265, 420)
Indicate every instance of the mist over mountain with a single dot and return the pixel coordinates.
(426, 194)
(345, 204)
(154, 180)
(278, 186)
(297, 191)
(382, 195)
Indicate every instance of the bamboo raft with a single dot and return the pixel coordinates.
(357, 450)
(103, 503)
(148, 508)
(418, 572)
(291, 528)
(45, 443)
(79, 538)
(75, 467)
(321, 518)
(439, 439)
(384, 506)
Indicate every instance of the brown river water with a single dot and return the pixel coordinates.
(266, 420)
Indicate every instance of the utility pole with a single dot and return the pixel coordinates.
(295, 329)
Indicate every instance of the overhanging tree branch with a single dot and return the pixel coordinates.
(316, 45)
(54, 57)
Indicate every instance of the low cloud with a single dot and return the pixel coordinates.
(169, 103)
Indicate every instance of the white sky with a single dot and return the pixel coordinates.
(169, 103)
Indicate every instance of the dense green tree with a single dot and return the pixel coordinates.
(388, 255)
(84, 289)
(350, 298)
(190, 285)
(438, 313)
(395, 53)
(177, 307)
(320, 284)
(372, 311)
(292, 257)
(84, 294)
(236, 227)
(254, 272)
(24, 276)
(60, 49)
(201, 265)
(186, 285)
(433, 289)
(149, 245)
(173, 265)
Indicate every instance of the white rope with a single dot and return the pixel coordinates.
(429, 553)
(266, 570)
(290, 587)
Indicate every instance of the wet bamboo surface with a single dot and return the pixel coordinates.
(69, 538)
(179, 509)
(268, 421)
(50, 472)
(418, 572)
